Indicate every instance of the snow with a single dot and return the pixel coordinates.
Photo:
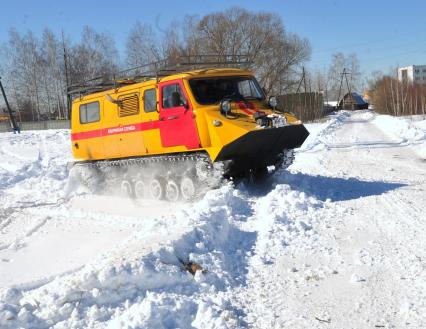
(331, 103)
(337, 241)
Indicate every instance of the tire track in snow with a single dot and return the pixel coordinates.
(20, 241)
(46, 163)
(285, 221)
(406, 260)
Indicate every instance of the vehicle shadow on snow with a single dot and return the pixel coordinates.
(334, 188)
(322, 187)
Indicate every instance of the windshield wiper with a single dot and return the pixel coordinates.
(253, 97)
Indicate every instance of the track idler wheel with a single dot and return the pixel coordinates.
(157, 188)
(172, 191)
(187, 188)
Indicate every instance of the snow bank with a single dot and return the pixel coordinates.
(320, 133)
(151, 291)
(407, 129)
(403, 131)
(283, 214)
(33, 162)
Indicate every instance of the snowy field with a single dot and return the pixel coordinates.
(338, 241)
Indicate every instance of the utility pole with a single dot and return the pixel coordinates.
(11, 117)
(303, 79)
(345, 75)
(66, 78)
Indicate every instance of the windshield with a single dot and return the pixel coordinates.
(212, 90)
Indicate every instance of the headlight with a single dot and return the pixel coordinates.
(225, 107)
(273, 101)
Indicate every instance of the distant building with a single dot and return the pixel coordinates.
(352, 101)
(413, 74)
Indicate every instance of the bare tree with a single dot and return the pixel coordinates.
(53, 75)
(34, 68)
(275, 53)
(141, 46)
(339, 63)
(352, 65)
(24, 70)
(320, 83)
(94, 56)
(394, 97)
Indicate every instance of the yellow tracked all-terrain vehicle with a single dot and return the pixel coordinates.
(173, 136)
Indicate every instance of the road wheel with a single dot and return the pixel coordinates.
(139, 189)
(156, 189)
(126, 188)
(187, 188)
(172, 191)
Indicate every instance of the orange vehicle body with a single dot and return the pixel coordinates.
(125, 123)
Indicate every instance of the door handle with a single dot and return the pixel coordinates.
(172, 117)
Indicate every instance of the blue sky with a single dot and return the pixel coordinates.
(382, 33)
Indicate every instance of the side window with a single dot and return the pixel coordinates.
(173, 96)
(89, 112)
(129, 105)
(150, 100)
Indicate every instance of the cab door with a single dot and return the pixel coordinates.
(176, 118)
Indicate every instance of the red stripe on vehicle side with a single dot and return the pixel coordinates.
(141, 126)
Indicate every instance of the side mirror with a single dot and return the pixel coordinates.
(177, 100)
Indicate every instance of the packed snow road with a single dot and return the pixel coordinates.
(337, 241)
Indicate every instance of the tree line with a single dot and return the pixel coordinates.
(37, 69)
(398, 98)
(36, 72)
